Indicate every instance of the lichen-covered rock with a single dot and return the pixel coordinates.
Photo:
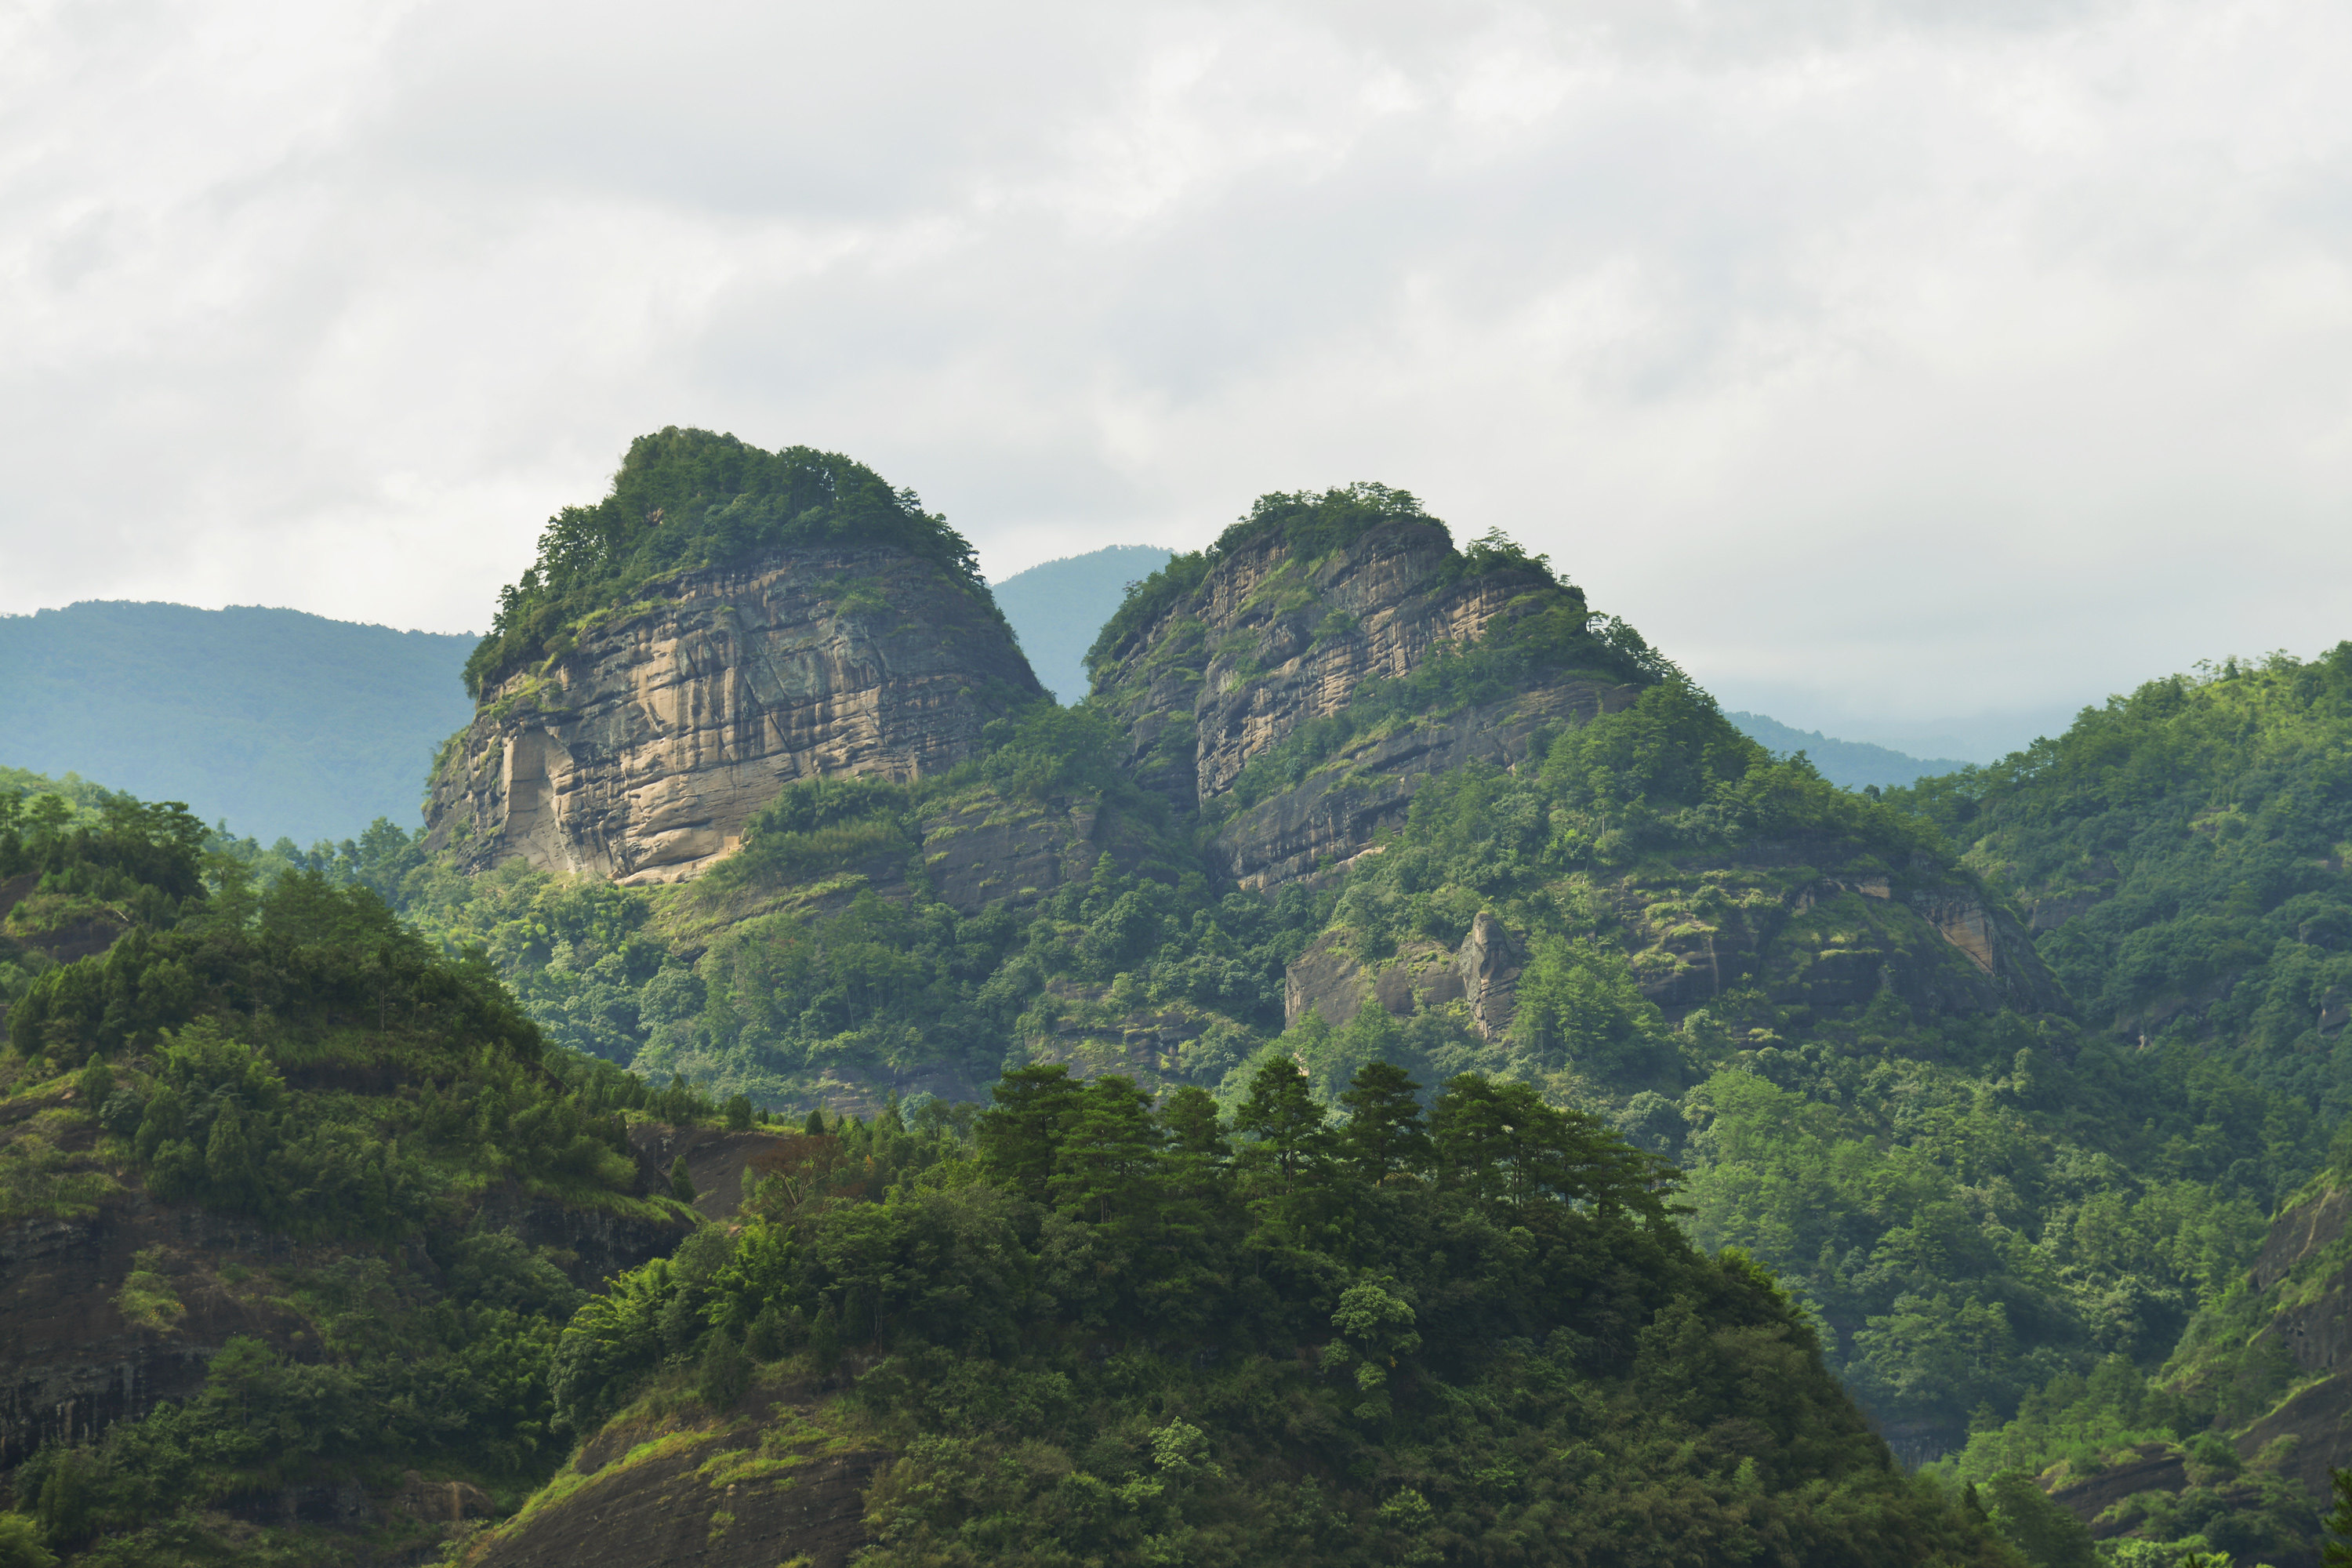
(639, 753)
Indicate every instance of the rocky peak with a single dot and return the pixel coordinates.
(1221, 660)
(638, 752)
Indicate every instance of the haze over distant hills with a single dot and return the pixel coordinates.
(1057, 607)
(288, 723)
(1851, 764)
(282, 722)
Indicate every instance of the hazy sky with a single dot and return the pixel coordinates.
(1884, 369)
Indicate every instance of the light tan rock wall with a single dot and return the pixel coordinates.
(641, 753)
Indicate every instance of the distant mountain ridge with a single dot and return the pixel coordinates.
(1057, 607)
(1853, 765)
(282, 722)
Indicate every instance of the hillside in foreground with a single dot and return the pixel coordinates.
(1350, 799)
(321, 1256)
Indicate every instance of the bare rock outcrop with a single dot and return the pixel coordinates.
(639, 754)
(1482, 975)
(1272, 639)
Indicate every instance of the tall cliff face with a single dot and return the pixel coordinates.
(638, 753)
(1276, 634)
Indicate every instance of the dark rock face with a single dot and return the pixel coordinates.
(2153, 1468)
(1270, 641)
(639, 754)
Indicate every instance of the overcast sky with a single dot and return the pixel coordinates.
(1886, 370)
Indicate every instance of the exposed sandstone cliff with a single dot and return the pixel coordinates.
(639, 754)
(1273, 638)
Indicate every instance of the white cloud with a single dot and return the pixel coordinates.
(1883, 366)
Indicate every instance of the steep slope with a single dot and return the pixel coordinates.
(1295, 682)
(666, 668)
(281, 721)
(1082, 1328)
(293, 1207)
(2183, 852)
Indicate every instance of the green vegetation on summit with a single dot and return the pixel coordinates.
(1310, 527)
(687, 501)
(1096, 1331)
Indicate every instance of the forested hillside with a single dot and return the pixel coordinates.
(1806, 997)
(2182, 853)
(294, 1201)
(284, 723)
(1338, 1092)
(315, 1208)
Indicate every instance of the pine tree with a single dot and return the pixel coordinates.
(1282, 1114)
(1109, 1150)
(1384, 1132)
(1017, 1134)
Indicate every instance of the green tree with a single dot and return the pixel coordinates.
(1105, 1164)
(1019, 1132)
(1384, 1132)
(2047, 1535)
(2337, 1551)
(1286, 1120)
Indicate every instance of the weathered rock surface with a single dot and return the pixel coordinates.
(1483, 975)
(1269, 641)
(705, 1492)
(2303, 1276)
(639, 754)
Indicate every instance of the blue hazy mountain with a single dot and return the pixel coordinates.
(1057, 607)
(1853, 763)
(282, 722)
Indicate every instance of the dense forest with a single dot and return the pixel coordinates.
(1471, 1331)
(1123, 1212)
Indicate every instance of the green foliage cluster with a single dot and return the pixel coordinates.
(1121, 1332)
(288, 1051)
(451, 1378)
(2078, 1428)
(1970, 1205)
(2193, 836)
(1667, 776)
(688, 501)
